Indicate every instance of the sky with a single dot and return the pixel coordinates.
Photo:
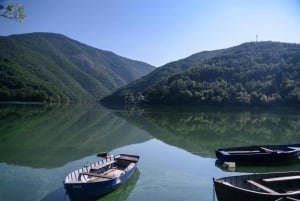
(160, 31)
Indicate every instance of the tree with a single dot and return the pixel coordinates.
(12, 11)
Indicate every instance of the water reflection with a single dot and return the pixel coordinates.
(41, 144)
(57, 195)
(50, 136)
(123, 192)
(201, 130)
(291, 165)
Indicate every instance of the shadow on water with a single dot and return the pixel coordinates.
(120, 194)
(291, 165)
(123, 192)
(202, 130)
(57, 195)
(53, 135)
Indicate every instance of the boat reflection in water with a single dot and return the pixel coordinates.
(291, 165)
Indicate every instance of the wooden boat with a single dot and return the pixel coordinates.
(100, 178)
(258, 154)
(259, 187)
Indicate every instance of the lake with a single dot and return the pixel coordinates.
(41, 144)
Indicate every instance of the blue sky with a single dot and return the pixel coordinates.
(161, 31)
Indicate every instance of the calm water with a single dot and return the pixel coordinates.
(40, 144)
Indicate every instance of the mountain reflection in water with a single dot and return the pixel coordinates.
(202, 130)
(52, 135)
(41, 144)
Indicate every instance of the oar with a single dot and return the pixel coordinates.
(103, 154)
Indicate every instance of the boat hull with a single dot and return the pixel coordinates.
(238, 188)
(226, 193)
(91, 190)
(252, 154)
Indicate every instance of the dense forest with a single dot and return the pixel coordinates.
(47, 67)
(257, 73)
(157, 75)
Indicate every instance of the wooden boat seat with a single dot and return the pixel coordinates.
(288, 178)
(266, 189)
(128, 158)
(97, 175)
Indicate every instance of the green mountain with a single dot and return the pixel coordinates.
(264, 74)
(157, 75)
(47, 67)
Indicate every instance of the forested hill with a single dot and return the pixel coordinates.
(256, 73)
(53, 68)
(159, 74)
(263, 73)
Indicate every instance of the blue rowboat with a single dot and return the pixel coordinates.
(258, 154)
(99, 178)
(280, 186)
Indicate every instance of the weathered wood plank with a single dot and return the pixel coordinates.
(128, 158)
(96, 175)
